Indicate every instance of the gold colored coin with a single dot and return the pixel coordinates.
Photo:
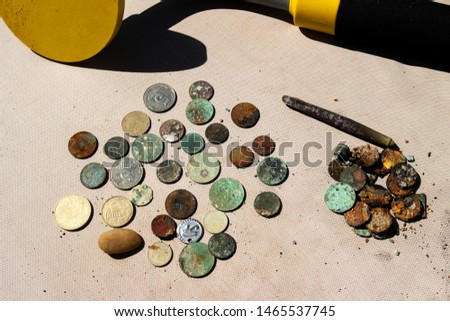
(159, 254)
(117, 211)
(73, 212)
(136, 123)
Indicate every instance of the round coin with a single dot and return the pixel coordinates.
(163, 226)
(201, 89)
(215, 222)
(126, 173)
(117, 211)
(222, 245)
(93, 175)
(216, 133)
(263, 145)
(340, 197)
(196, 260)
(272, 171)
(190, 231)
(73, 212)
(192, 143)
(171, 130)
(358, 215)
(159, 97)
(159, 254)
(116, 147)
(147, 148)
(380, 220)
(245, 115)
(226, 194)
(82, 145)
(169, 171)
(267, 204)
(141, 195)
(135, 123)
(199, 111)
(202, 168)
(241, 156)
(404, 175)
(181, 204)
(353, 176)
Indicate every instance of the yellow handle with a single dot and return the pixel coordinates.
(318, 15)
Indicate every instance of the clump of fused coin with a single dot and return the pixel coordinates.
(272, 171)
(126, 173)
(245, 115)
(73, 212)
(215, 222)
(226, 194)
(217, 133)
(192, 143)
(119, 241)
(181, 204)
(171, 130)
(82, 145)
(222, 245)
(169, 171)
(117, 211)
(196, 260)
(358, 214)
(141, 195)
(159, 254)
(147, 148)
(201, 89)
(116, 147)
(159, 97)
(199, 111)
(93, 175)
(190, 231)
(203, 168)
(267, 204)
(163, 226)
(135, 123)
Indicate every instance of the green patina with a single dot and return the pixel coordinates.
(272, 171)
(340, 197)
(147, 148)
(93, 175)
(192, 143)
(196, 260)
(199, 111)
(222, 245)
(226, 194)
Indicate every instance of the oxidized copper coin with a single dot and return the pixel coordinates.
(404, 175)
(242, 156)
(335, 168)
(375, 196)
(116, 147)
(163, 226)
(263, 145)
(217, 133)
(267, 204)
(201, 89)
(358, 214)
(82, 145)
(342, 152)
(222, 245)
(397, 190)
(169, 171)
(171, 130)
(245, 115)
(408, 208)
(181, 204)
(367, 155)
(354, 176)
(380, 220)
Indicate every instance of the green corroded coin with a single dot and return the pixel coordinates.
(147, 148)
(199, 111)
(169, 171)
(196, 260)
(203, 168)
(340, 197)
(93, 175)
(226, 194)
(272, 171)
(362, 232)
(222, 245)
(192, 143)
(267, 204)
(141, 195)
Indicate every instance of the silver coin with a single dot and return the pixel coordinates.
(201, 89)
(171, 130)
(159, 97)
(190, 231)
(126, 173)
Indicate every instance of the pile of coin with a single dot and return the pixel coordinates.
(197, 259)
(369, 208)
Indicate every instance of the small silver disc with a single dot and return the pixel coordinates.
(159, 97)
(190, 231)
(126, 173)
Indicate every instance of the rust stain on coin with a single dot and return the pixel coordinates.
(263, 145)
(245, 115)
(181, 204)
(242, 156)
(82, 145)
(163, 226)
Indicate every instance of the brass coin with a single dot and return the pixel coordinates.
(245, 115)
(73, 212)
(171, 130)
(159, 254)
(215, 222)
(82, 145)
(242, 156)
(135, 123)
(181, 204)
(117, 211)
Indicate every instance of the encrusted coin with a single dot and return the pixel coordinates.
(147, 148)
(215, 222)
(354, 176)
(135, 123)
(226, 194)
(408, 208)
(217, 133)
(199, 111)
(380, 220)
(159, 97)
(159, 254)
(340, 197)
(171, 130)
(267, 204)
(263, 145)
(169, 171)
(358, 214)
(73, 212)
(390, 158)
(375, 196)
(192, 143)
(93, 175)
(117, 211)
(272, 171)
(245, 115)
(241, 156)
(196, 260)
(181, 204)
(163, 226)
(367, 155)
(141, 195)
(397, 190)
(116, 147)
(190, 231)
(222, 245)
(203, 168)
(404, 175)
(82, 145)
(201, 89)
(126, 173)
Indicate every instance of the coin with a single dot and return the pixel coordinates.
(82, 145)
(263, 145)
(147, 148)
(354, 176)
(159, 254)
(126, 173)
(245, 115)
(335, 168)
(217, 133)
(192, 143)
(169, 171)
(181, 204)
(222, 245)
(159, 97)
(362, 232)
(116, 147)
(196, 260)
(340, 197)
(141, 195)
(267, 204)
(272, 171)
(375, 196)
(203, 168)
(215, 222)
(171, 130)
(397, 190)
(380, 220)
(226, 194)
(135, 123)
(93, 175)
(342, 152)
(163, 226)
(367, 155)
(73, 212)
(190, 231)
(358, 215)
(201, 89)
(199, 111)
(117, 211)
(408, 208)
(405, 176)
(242, 156)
